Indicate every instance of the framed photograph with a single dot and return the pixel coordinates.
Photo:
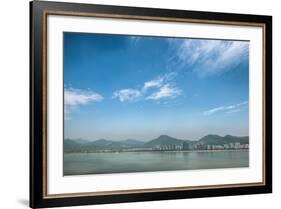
(139, 104)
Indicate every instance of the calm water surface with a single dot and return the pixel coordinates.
(125, 162)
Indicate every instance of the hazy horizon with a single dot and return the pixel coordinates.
(146, 140)
(120, 87)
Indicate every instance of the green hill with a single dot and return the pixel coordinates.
(220, 140)
(164, 139)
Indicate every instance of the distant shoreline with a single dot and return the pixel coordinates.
(164, 143)
(117, 152)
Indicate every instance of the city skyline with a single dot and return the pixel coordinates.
(120, 87)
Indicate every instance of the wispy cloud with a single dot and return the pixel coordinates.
(135, 39)
(208, 57)
(234, 111)
(155, 89)
(227, 109)
(166, 91)
(153, 83)
(127, 94)
(76, 97)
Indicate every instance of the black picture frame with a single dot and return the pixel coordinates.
(38, 12)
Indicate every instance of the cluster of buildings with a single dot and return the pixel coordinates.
(200, 146)
(236, 145)
(168, 147)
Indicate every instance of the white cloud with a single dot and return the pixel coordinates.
(127, 94)
(151, 90)
(75, 97)
(153, 83)
(234, 111)
(166, 91)
(227, 109)
(210, 56)
(158, 82)
(135, 39)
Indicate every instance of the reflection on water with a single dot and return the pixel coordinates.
(125, 162)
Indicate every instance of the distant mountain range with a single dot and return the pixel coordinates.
(81, 145)
(164, 139)
(219, 140)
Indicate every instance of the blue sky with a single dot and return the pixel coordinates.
(119, 87)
